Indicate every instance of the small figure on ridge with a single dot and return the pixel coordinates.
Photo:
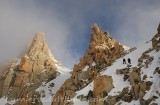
(129, 60)
(124, 61)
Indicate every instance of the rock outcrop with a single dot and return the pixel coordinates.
(28, 73)
(138, 90)
(156, 40)
(157, 70)
(102, 84)
(145, 59)
(134, 76)
(102, 52)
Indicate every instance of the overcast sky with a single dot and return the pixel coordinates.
(66, 24)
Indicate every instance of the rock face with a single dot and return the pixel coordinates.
(156, 40)
(102, 84)
(145, 59)
(138, 90)
(134, 76)
(102, 52)
(27, 74)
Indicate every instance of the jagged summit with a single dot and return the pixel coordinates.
(95, 28)
(39, 44)
(25, 76)
(99, 36)
(38, 57)
(102, 45)
(40, 36)
(101, 39)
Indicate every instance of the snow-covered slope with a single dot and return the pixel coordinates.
(49, 89)
(118, 81)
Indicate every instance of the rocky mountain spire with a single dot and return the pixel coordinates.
(38, 57)
(39, 44)
(28, 73)
(102, 45)
(102, 52)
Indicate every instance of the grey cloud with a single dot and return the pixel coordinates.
(139, 22)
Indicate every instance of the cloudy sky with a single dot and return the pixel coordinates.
(66, 24)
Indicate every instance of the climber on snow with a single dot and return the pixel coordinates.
(129, 60)
(124, 61)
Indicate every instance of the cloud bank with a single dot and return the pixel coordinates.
(66, 24)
